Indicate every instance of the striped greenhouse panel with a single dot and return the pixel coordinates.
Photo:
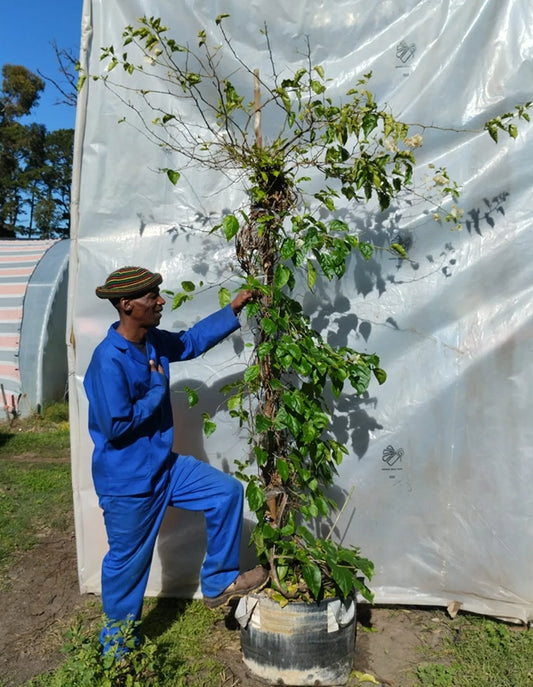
(11, 289)
(23, 258)
(9, 372)
(11, 314)
(19, 246)
(9, 342)
(15, 271)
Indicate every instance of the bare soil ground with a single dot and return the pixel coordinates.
(41, 598)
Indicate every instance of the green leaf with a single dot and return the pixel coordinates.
(343, 577)
(398, 249)
(366, 249)
(220, 17)
(283, 469)
(224, 297)
(269, 326)
(209, 425)
(313, 578)
(282, 571)
(317, 87)
(284, 98)
(311, 275)
(254, 496)
(281, 276)
(260, 455)
(380, 375)
(262, 423)
(180, 299)
(172, 175)
(337, 225)
(235, 402)
(370, 122)
(230, 226)
(252, 373)
(282, 600)
(493, 133)
(192, 396)
(288, 248)
(188, 286)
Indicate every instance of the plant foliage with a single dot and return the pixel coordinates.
(289, 237)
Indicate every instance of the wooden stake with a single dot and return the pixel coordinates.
(257, 109)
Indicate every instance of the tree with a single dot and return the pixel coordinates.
(53, 208)
(35, 165)
(290, 236)
(20, 92)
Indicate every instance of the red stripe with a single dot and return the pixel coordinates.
(12, 290)
(9, 341)
(29, 257)
(16, 271)
(10, 314)
(9, 371)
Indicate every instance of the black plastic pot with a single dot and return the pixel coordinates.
(300, 644)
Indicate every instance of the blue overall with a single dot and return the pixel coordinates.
(136, 474)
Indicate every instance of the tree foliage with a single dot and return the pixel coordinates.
(35, 164)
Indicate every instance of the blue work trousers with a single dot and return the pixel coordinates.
(132, 524)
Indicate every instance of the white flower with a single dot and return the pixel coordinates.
(440, 179)
(414, 141)
(389, 144)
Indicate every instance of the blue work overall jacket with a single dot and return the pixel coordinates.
(130, 414)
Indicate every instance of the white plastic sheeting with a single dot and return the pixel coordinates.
(439, 473)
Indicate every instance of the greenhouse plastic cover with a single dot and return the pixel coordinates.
(439, 472)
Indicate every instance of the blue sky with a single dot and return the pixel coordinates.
(27, 29)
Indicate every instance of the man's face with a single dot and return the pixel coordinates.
(145, 310)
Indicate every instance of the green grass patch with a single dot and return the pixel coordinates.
(47, 444)
(34, 498)
(45, 435)
(35, 480)
(480, 652)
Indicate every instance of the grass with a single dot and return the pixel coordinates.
(480, 652)
(35, 483)
(45, 435)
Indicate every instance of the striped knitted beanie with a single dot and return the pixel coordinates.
(129, 282)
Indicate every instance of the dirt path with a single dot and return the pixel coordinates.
(42, 595)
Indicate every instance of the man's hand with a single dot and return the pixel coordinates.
(240, 300)
(153, 368)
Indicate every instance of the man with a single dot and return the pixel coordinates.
(136, 474)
